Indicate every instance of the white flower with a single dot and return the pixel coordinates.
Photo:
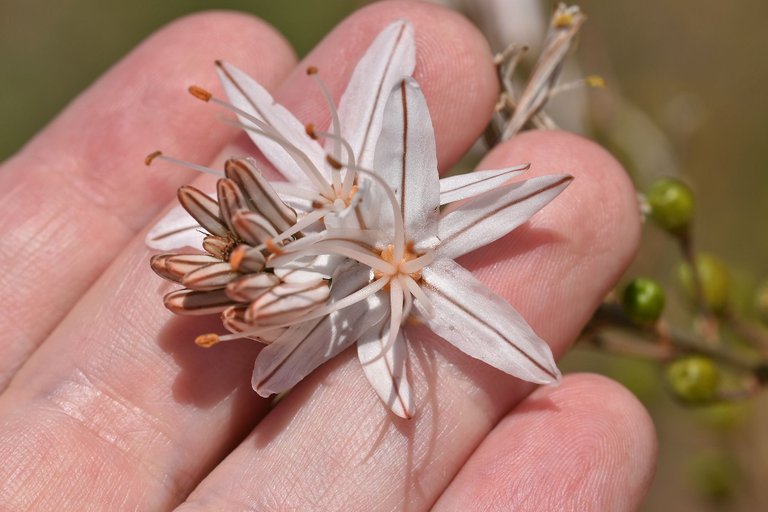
(405, 259)
(380, 237)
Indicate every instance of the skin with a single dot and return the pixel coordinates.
(108, 405)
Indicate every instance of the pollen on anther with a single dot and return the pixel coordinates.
(312, 70)
(151, 157)
(310, 129)
(199, 93)
(207, 340)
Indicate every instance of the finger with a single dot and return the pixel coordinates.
(586, 445)
(164, 410)
(78, 192)
(353, 454)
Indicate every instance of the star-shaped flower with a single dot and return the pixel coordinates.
(405, 260)
(382, 242)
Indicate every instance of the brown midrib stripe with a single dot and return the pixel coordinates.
(391, 370)
(489, 326)
(481, 181)
(378, 91)
(405, 148)
(288, 356)
(497, 210)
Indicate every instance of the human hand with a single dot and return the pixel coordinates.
(109, 405)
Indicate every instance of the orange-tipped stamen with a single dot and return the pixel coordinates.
(335, 124)
(200, 93)
(310, 129)
(333, 162)
(273, 247)
(236, 257)
(151, 157)
(158, 155)
(207, 340)
(311, 70)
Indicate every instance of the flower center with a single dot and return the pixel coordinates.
(403, 267)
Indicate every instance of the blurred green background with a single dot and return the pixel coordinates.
(686, 85)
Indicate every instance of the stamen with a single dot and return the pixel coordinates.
(399, 224)
(150, 157)
(273, 248)
(267, 130)
(207, 340)
(289, 189)
(306, 221)
(395, 313)
(407, 297)
(200, 93)
(416, 264)
(347, 148)
(342, 249)
(312, 71)
(298, 156)
(158, 155)
(419, 295)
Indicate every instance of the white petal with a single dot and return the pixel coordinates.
(248, 95)
(391, 56)
(175, 230)
(406, 159)
(483, 325)
(304, 347)
(464, 186)
(386, 367)
(489, 217)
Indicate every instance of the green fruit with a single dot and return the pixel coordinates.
(643, 300)
(672, 204)
(694, 379)
(715, 281)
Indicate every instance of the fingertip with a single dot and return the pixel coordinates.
(610, 435)
(587, 444)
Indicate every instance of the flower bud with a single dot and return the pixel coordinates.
(715, 281)
(643, 300)
(694, 379)
(672, 204)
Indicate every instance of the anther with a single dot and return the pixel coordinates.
(151, 157)
(207, 340)
(236, 257)
(310, 129)
(200, 93)
(333, 162)
(312, 70)
(273, 247)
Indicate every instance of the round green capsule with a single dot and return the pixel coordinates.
(672, 204)
(715, 281)
(694, 379)
(643, 300)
